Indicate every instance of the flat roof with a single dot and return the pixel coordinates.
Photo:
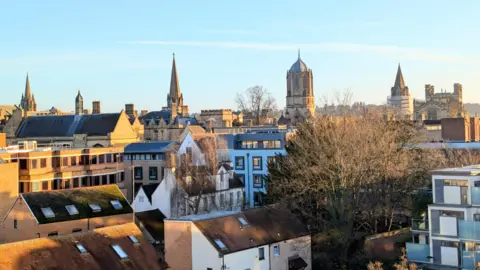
(467, 170)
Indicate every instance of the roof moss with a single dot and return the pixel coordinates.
(81, 198)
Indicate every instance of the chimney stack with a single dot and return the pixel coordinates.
(171, 159)
(130, 109)
(96, 107)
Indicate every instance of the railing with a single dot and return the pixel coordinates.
(475, 195)
(470, 259)
(469, 230)
(419, 224)
(418, 252)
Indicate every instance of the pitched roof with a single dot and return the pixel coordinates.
(68, 125)
(149, 190)
(266, 225)
(152, 221)
(399, 82)
(80, 198)
(61, 252)
(149, 147)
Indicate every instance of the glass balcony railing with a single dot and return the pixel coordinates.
(419, 224)
(469, 230)
(418, 252)
(470, 259)
(475, 195)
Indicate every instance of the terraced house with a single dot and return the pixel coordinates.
(62, 212)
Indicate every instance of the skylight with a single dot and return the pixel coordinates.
(81, 248)
(120, 252)
(242, 221)
(95, 208)
(220, 244)
(116, 204)
(133, 239)
(47, 212)
(72, 210)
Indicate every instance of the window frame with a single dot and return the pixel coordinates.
(258, 185)
(261, 253)
(139, 176)
(257, 168)
(243, 163)
(150, 176)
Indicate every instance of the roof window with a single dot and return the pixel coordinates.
(116, 204)
(220, 244)
(242, 221)
(133, 239)
(95, 208)
(81, 248)
(48, 212)
(72, 210)
(119, 251)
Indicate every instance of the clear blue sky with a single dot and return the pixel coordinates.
(120, 51)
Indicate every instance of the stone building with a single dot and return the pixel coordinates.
(440, 105)
(218, 118)
(79, 103)
(28, 99)
(300, 98)
(400, 98)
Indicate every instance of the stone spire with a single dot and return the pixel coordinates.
(28, 92)
(399, 82)
(28, 99)
(174, 84)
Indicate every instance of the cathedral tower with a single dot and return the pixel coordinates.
(400, 98)
(300, 98)
(28, 99)
(175, 97)
(79, 103)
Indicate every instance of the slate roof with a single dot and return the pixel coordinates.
(67, 125)
(149, 147)
(81, 198)
(156, 116)
(149, 190)
(266, 225)
(152, 221)
(61, 252)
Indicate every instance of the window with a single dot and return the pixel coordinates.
(109, 158)
(81, 248)
(35, 186)
(239, 163)
(257, 180)
(148, 157)
(95, 208)
(72, 210)
(34, 164)
(257, 163)
(138, 171)
(120, 252)
(65, 162)
(101, 159)
(52, 234)
(209, 268)
(141, 198)
(93, 159)
(205, 203)
(242, 221)
(220, 244)
(261, 253)
(153, 173)
(73, 161)
(15, 224)
(133, 239)
(23, 164)
(276, 250)
(43, 163)
(45, 185)
(76, 182)
(116, 204)
(47, 212)
(104, 179)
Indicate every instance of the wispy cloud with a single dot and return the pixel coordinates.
(231, 31)
(403, 53)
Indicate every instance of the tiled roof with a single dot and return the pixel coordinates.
(62, 253)
(68, 125)
(152, 221)
(80, 198)
(267, 225)
(157, 115)
(148, 147)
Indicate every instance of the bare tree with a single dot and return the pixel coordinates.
(257, 102)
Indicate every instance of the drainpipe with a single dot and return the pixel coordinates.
(247, 180)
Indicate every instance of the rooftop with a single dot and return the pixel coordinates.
(89, 250)
(84, 199)
(467, 170)
(152, 221)
(149, 147)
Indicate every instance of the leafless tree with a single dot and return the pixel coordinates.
(257, 102)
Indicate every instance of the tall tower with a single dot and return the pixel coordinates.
(400, 98)
(28, 99)
(300, 99)
(175, 97)
(79, 103)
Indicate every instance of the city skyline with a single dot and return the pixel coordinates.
(129, 50)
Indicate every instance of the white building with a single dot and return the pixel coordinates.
(451, 235)
(261, 239)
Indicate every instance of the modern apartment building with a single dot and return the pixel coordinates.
(53, 168)
(451, 234)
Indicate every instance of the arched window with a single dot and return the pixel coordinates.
(97, 145)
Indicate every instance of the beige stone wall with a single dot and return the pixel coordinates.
(123, 132)
(129, 166)
(290, 249)
(8, 186)
(221, 117)
(178, 245)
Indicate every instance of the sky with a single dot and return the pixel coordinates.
(119, 51)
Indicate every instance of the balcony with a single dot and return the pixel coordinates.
(470, 259)
(469, 230)
(419, 225)
(418, 252)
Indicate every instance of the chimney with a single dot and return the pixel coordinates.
(170, 159)
(87, 111)
(210, 125)
(96, 107)
(129, 109)
(143, 112)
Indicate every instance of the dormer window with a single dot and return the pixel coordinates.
(116, 204)
(81, 248)
(133, 239)
(120, 252)
(220, 244)
(48, 212)
(95, 207)
(72, 210)
(242, 221)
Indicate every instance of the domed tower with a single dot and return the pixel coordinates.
(300, 99)
(79, 103)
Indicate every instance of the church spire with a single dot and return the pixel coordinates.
(299, 54)
(399, 78)
(174, 84)
(28, 92)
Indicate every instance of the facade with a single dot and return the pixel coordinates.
(300, 99)
(62, 212)
(400, 98)
(251, 153)
(440, 105)
(93, 250)
(79, 103)
(461, 129)
(27, 101)
(261, 238)
(8, 186)
(217, 118)
(450, 234)
(44, 169)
